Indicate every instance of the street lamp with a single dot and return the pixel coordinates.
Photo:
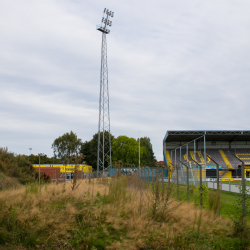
(39, 166)
(30, 150)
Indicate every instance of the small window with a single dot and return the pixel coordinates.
(213, 143)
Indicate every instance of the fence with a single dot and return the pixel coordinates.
(183, 176)
(146, 174)
(191, 176)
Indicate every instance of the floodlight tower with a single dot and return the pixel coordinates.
(104, 139)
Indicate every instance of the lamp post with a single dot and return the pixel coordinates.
(39, 167)
(104, 137)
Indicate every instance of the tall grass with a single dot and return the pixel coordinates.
(120, 212)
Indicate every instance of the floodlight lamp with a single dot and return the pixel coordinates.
(112, 14)
(107, 11)
(102, 19)
(104, 10)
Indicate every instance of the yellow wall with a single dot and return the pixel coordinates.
(226, 176)
(67, 168)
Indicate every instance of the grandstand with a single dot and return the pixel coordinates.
(185, 145)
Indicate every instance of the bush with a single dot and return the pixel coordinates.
(7, 182)
(19, 167)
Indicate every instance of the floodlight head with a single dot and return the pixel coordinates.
(106, 22)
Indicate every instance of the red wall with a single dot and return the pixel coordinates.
(54, 173)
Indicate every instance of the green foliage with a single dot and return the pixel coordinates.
(240, 217)
(148, 157)
(204, 192)
(18, 166)
(66, 145)
(32, 188)
(117, 190)
(89, 150)
(214, 201)
(34, 159)
(126, 150)
(7, 182)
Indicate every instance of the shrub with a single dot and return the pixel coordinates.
(19, 167)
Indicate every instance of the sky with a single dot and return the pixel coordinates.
(173, 65)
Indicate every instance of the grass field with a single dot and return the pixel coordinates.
(228, 200)
(113, 213)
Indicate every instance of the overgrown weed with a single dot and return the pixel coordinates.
(121, 212)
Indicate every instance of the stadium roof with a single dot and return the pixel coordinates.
(211, 135)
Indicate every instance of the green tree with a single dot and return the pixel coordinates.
(34, 159)
(89, 150)
(126, 149)
(148, 157)
(66, 145)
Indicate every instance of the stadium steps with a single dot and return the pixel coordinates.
(225, 159)
(222, 173)
(244, 157)
(168, 157)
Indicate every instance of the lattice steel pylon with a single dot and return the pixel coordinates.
(104, 139)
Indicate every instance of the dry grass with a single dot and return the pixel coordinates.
(7, 182)
(130, 217)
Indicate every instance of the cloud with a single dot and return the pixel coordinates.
(172, 65)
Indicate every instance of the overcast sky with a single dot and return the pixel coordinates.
(173, 65)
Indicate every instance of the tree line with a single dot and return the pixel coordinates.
(124, 149)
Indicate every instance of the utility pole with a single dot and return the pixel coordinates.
(39, 167)
(104, 139)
